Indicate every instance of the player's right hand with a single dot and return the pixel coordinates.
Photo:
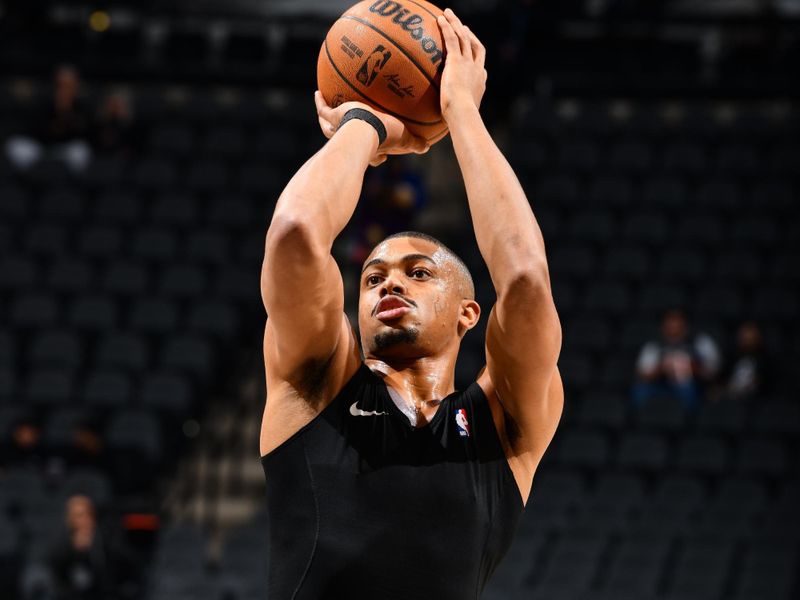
(399, 140)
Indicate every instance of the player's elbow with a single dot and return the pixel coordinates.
(290, 237)
(528, 281)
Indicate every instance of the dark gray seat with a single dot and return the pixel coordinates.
(126, 278)
(583, 449)
(93, 312)
(107, 388)
(703, 454)
(153, 315)
(640, 450)
(156, 244)
(56, 348)
(70, 275)
(182, 281)
(17, 273)
(167, 392)
(33, 310)
(175, 210)
(101, 242)
(215, 317)
(190, 353)
(125, 350)
(118, 207)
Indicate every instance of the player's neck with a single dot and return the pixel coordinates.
(418, 380)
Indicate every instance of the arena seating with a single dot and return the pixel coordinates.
(125, 290)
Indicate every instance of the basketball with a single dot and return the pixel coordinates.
(390, 55)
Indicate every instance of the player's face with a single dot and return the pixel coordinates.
(410, 302)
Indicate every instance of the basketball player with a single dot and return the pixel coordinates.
(383, 481)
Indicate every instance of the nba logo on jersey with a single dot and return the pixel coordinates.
(462, 423)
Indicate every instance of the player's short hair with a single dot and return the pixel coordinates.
(467, 284)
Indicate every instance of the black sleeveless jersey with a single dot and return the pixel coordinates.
(363, 505)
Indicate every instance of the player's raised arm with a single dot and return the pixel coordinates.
(523, 338)
(301, 285)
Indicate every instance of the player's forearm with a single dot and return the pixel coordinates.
(320, 199)
(508, 235)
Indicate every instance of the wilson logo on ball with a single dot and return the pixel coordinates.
(409, 22)
(376, 60)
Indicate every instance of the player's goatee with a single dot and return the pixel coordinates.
(396, 336)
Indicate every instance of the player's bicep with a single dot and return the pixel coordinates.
(303, 295)
(523, 341)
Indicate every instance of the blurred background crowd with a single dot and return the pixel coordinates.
(143, 146)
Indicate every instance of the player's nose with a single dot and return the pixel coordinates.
(392, 285)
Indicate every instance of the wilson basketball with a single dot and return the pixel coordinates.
(388, 54)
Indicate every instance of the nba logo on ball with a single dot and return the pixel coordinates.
(462, 423)
(374, 63)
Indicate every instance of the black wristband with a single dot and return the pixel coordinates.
(365, 115)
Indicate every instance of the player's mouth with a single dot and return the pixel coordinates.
(390, 308)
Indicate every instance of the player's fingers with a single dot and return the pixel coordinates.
(478, 49)
(461, 32)
(319, 101)
(451, 43)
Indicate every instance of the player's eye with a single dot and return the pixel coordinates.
(373, 279)
(420, 274)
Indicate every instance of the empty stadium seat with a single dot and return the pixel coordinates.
(125, 350)
(174, 209)
(155, 244)
(125, 278)
(208, 176)
(92, 312)
(56, 347)
(762, 457)
(118, 207)
(583, 449)
(70, 275)
(166, 392)
(704, 454)
(639, 450)
(46, 239)
(17, 273)
(190, 353)
(215, 317)
(182, 281)
(107, 388)
(33, 310)
(101, 242)
(153, 315)
(63, 205)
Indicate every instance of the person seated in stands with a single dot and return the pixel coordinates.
(679, 364)
(744, 376)
(89, 561)
(24, 447)
(113, 128)
(60, 130)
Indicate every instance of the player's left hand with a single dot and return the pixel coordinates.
(464, 75)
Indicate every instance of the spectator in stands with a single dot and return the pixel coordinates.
(87, 446)
(60, 131)
(89, 561)
(679, 363)
(113, 128)
(25, 448)
(744, 375)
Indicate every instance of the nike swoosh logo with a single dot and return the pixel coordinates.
(357, 412)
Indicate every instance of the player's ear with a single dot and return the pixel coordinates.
(469, 315)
